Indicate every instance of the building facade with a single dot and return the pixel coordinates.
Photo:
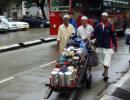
(24, 10)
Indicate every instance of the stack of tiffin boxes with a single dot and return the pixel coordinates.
(68, 64)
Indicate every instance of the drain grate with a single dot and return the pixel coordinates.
(121, 93)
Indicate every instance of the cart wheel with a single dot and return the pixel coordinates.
(88, 81)
(48, 93)
(74, 94)
(42, 25)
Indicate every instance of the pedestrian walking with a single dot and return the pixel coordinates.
(85, 30)
(64, 32)
(73, 21)
(127, 40)
(104, 33)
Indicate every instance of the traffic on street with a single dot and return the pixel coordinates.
(65, 50)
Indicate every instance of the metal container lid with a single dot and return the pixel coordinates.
(54, 72)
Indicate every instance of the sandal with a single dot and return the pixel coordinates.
(103, 74)
(106, 78)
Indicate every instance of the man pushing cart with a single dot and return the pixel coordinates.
(72, 68)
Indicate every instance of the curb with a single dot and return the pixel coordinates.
(49, 39)
(10, 47)
(111, 92)
(26, 44)
(30, 43)
(107, 97)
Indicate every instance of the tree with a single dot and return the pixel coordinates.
(3, 5)
(18, 2)
(40, 4)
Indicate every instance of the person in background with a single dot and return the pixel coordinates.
(104, 33)
(73, 21)
(79, 18)
(127, 40)
(64, 32)
(85, 30)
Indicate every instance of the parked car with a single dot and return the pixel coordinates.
(12, 26)
(21, 25)
(36, 22)
(3, 27)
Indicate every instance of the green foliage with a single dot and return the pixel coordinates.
(18, 2)
(28, 3)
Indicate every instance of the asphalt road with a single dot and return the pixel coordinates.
(24, 72)
(10, 38)
(19, 60)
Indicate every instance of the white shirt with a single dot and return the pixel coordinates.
(85, 32)
(127, 31)
(103, 25)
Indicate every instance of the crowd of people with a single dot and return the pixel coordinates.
(103, 32)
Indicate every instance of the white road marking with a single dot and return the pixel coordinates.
(10, 78)
(48, 64)
(123, 80)
(7, 79)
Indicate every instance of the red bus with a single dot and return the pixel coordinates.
(117, 10)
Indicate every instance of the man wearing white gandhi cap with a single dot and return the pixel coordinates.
(104, 14)
(104, 33)
(85, 30)
(64, 32)
(66, 16)
(84, 18)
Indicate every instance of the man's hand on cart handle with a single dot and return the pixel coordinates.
(115, 49)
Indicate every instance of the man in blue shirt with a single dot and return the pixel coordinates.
(73, 21)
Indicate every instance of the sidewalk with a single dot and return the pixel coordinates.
(20, 39)
(119, 90)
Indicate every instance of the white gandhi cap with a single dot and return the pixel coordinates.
(66, 16)
(104, 14)
(84, 18)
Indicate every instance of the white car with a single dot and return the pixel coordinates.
(3, 27)
(21, 25)
(12, 26)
